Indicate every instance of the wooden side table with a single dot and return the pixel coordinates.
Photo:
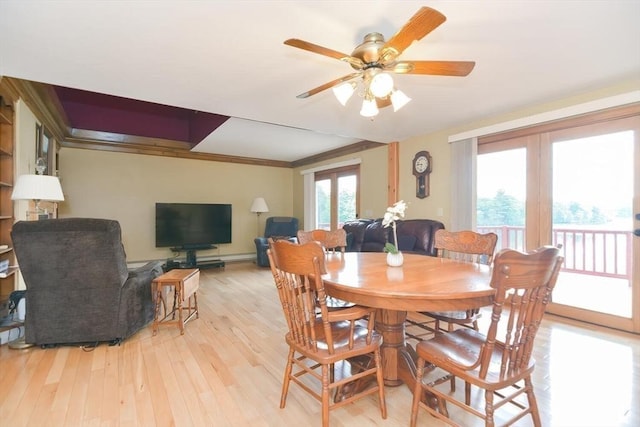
(185, 283)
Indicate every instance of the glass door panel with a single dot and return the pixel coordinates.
(592, 218)
(347, 191)
(323, 204)
(337, 195)
(501, 198)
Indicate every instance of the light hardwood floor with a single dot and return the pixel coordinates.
(226, 370)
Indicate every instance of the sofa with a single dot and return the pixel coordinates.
(79, 287)
(414, 235)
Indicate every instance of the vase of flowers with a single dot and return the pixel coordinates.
(393, 214)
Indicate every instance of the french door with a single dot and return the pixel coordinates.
(337, 197)
(575, 185)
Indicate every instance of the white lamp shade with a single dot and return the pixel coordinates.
(37, 187)
(369, 108)
(259, 205)
(381, 85)
(399, 99)
(343, 92)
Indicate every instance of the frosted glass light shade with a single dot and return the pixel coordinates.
(259, 205)
(399, 100)
(37, 187)
(381, 85)
(369, 108)
(343, 92)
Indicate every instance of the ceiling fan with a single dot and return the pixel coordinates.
(375, 59)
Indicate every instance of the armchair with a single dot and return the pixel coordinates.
(79, 289)
(277, 227)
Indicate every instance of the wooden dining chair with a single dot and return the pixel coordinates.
(498, 361)
(466, 246)
(331, 240)
(320, 341)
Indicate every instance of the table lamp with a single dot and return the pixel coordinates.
(37, 188)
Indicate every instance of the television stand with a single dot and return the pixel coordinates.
(192, 262)
(213, 263)
(191, 258)
(202, 265)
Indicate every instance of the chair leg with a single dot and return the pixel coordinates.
(325, 395)
(467, 393)
(488, 408)
(417, 392)
(442, 407)
(287, 378)
(533, 404)
(380, 379)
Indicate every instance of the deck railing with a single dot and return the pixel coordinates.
(595, 252)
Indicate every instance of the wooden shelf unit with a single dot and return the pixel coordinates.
(7, 284)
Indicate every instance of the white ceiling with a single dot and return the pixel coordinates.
(228, 57)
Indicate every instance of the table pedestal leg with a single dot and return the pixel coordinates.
(391, 325)
(398, 357)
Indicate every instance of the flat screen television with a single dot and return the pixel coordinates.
(192, 225)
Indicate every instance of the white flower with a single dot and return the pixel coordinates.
(388, 219)
(393, 214)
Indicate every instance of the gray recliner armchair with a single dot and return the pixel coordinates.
(79, 289)
(276, 227)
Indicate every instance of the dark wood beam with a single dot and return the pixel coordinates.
(342, 151)
(165, 150)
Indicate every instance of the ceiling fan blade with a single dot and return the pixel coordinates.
(328, 85)
(436, 68)
(301, 44)
(420, 24)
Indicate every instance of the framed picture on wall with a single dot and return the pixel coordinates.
(45, 148)
(38, 141)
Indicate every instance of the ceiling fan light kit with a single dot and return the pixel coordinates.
(375, 59)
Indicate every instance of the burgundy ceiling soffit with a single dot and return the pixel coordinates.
(107, 113)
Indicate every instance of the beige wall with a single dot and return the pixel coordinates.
(126, 187)
(438, 147)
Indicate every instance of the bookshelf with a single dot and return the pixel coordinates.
(7, 256)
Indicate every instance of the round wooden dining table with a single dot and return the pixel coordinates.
(422, 283)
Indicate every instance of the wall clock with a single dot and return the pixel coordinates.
(421, 167)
